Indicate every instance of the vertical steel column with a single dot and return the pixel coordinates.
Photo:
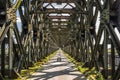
(105, 54)
(113, 60)
(3, 47)
(3, 58)
(29, 53)
(10, 51)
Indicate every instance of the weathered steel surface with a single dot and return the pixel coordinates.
(71, 26)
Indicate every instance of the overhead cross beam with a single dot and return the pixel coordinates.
(71, 11)
(69, 22)
(59, 17)
(58, 1)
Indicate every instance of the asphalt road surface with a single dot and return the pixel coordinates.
(58, 68)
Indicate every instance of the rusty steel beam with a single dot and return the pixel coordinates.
(69, 22)
(59, 25)
(57, 11)
(77, 31)
(59, 17)
(58, 1)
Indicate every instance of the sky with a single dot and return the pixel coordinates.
(19, 22)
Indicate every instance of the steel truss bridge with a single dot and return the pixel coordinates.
(32, 29)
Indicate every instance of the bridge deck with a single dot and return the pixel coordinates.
(58, 70)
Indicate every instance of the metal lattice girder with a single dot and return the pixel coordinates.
(55, 1)
(59, 17)
(75, 33)
(69, 22)
(71, 11)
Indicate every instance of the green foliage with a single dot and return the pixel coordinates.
(1, 76)
(91, 74)
(24, 74)
(82, 70)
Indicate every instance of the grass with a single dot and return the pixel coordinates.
(26, 73)
(91, 74)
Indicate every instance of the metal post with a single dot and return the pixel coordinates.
(29, 53)
(10, 51)
(105, 54)
(113, 59)
(3, 58)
